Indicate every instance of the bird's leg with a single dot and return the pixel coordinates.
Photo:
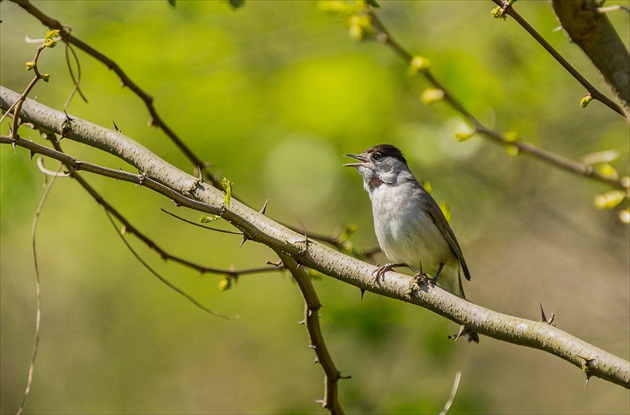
(422, 277)
(382, 269)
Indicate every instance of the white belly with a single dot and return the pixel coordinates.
(407, 234)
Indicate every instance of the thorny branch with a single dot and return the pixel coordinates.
(522, 146)
(311, 320)
(129, 228)
(186, 190)
(126, 81)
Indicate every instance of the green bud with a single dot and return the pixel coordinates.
(609, 171)
(225, 283)
(610, 199)
(209, 219)
(497, 13)
(464, 133)
(512, 150)
(418, 63)
(45, 77)
(335, 6)
(360, 26)
(586, 100)
(227, 186)
(30, 65)
(431, 95)
(51, 34)
(511, 136)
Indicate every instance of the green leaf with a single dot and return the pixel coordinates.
(227, 186)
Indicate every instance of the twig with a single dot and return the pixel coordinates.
(38, 314)
(156, 120)
(525, 147)
(210, 228)
(594, 92)
(161, 278)
(451, 398)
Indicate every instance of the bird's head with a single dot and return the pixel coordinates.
(379, 164)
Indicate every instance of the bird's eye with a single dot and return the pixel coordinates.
(376, 156)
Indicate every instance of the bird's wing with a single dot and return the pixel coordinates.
(434, 211)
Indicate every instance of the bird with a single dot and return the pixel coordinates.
(410, 227)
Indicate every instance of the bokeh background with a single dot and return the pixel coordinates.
(272, 95)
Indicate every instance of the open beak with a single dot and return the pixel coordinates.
(356, 157)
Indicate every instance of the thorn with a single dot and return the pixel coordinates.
(345, 377)
(302, 322)
(315, 361)
(198, 174)
(264, 208)
(586, 367)
(245, 239)
(362, 293)
(115, 126)
(544, 317)
(32, 154)
(454, 337)
(470, 336)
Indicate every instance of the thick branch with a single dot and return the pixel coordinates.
(188, 190)
(595, 35)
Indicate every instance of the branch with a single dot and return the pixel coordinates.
(596, 36)
(189, 191)
(125, 80)
(522, 146)
(316, 338)
(506, 8)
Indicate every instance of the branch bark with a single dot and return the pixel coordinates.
(593, 32)
(187, 190)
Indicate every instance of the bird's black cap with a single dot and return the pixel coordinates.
(387, 150)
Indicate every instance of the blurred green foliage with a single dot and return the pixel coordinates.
(272, 95)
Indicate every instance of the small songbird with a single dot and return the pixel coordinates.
(410, 226)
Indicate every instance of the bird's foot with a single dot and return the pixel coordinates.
(379, 273)
(421, 278)
(382, 269)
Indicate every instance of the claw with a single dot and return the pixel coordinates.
(381, 270)
(421, 278)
